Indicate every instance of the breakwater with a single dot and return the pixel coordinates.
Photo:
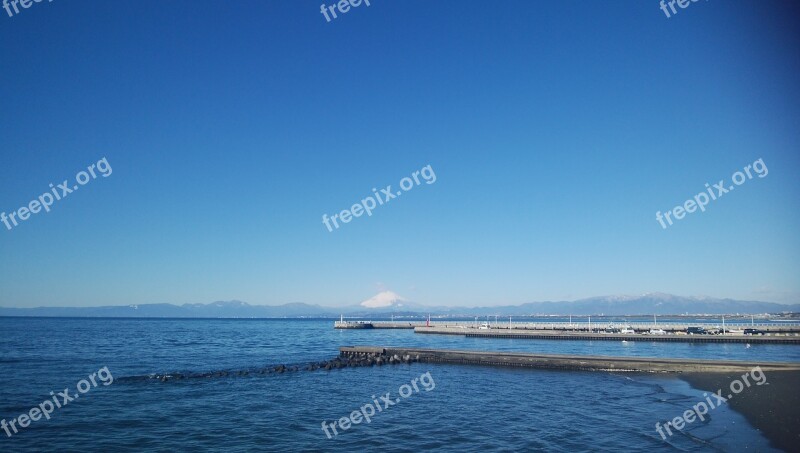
(556, 361)
(638, 327)
(336, 363)
(591, 336)
(375, 325)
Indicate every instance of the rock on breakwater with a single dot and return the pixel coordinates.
(336, 363)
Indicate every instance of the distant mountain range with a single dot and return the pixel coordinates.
(386, 305)
(647, 304)
(220, 309)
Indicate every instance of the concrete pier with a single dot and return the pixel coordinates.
(639, 327)
(354, 325)
(561, 362)
(568, 335)
(376, 325)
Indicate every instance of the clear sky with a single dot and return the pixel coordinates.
(556, 130)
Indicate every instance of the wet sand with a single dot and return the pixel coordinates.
(773, 408)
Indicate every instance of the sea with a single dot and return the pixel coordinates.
(113, 372)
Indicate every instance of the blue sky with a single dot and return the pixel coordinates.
(556, 131)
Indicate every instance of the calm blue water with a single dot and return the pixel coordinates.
(470, 408)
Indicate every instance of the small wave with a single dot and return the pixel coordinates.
(2, 360)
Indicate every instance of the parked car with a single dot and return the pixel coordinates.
(658, 332)
(627, 330)
(612, 330)
(696, 331)
(754, 332)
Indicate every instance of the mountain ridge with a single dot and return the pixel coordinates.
(646, 304)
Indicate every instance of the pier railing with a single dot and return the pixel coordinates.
(787, 327)
(772, 338)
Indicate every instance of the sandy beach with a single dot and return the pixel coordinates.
(773, 408)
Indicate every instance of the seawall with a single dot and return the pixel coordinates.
(557, 335)
(561, 362)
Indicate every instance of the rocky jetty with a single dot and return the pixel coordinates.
(368, 359)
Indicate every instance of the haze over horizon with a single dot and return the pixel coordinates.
(389, 300)
(556, 131)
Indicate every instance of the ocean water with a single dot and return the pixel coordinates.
(465, 409)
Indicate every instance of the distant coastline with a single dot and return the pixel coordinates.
(645, 305)
(732, 319)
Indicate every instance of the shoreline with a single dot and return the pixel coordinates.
(772, 408)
